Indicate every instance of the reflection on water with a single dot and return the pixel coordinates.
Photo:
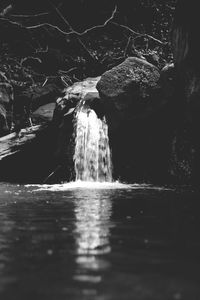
(92, 213)
(92, 231)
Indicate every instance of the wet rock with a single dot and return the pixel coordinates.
(140, 111)
(44, 113)
(129, 90)
(93, 101)
(77, 92)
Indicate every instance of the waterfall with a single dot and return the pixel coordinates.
(92, 157)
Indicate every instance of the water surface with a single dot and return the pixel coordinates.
(99, 242)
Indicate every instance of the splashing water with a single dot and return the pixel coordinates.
(92, 157)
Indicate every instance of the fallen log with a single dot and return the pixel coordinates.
(14, 142)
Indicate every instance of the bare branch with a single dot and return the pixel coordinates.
(11, 22)
(72, 31)
(48, 25)
(139, 34)
(101, 25)
(30, 16)
(88, 53)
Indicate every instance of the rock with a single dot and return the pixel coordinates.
(44, 113)
(78, 91)
(93, 101)
(138, 104)
(73, 95)
(129, 90)
(6, 107)
(30, 99)
(40, 95)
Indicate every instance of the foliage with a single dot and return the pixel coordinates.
(50, 39)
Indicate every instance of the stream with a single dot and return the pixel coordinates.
(99, 241)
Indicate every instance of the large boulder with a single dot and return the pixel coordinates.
(6, 107)
(137, 100)
(129, 90)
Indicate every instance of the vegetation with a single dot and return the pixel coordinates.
(66, 41)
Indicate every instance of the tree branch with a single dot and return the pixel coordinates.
(140, 34)
(72, 31)
(30, 16)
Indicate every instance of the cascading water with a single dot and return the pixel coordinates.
(92, 157)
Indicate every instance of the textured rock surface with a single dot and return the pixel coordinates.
(75, 93)
(137, 100)
(130, 89)
(44, 113)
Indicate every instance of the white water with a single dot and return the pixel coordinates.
(85, 185)
(92, 157)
